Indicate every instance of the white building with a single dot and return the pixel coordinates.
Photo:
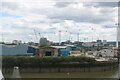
(107, 52)
(95, 53)
(103, 52)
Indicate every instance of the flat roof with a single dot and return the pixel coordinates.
(58, 47)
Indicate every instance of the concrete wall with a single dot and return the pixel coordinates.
(89, 68)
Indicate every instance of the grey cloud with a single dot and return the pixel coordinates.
(62, 4)
(79, 16)
(90, 4)
(101, 4)
(10, 5)
(109, 26)
(56, 21)
(56, 15)
(108, 4)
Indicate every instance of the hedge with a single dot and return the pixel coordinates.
(48, 61)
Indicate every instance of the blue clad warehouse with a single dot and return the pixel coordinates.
(18, 50)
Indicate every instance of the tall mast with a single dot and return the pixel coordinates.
(59, 37)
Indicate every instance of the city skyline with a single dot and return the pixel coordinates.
(88, 19)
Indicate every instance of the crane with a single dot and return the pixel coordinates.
(36, 35)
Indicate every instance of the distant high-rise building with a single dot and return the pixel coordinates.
(43, 41)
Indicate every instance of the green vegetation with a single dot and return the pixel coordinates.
(34, 62)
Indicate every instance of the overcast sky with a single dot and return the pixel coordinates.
(20, 19)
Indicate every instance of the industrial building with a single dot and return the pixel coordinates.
(55, 50)
(47, 51)
(18, 50)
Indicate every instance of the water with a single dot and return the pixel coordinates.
(106, 74)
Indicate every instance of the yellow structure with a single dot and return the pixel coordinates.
(115, 51)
